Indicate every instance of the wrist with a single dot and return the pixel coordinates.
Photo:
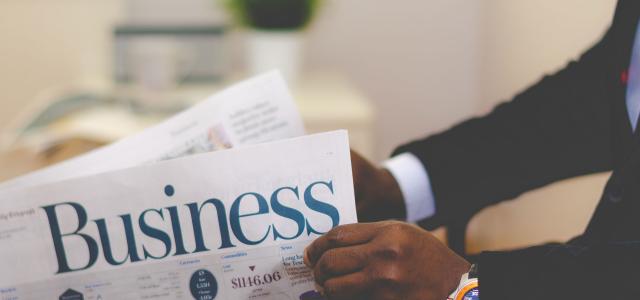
(390, 190)
(468, 288)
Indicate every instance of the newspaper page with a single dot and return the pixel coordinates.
(255, 111)
(230, 225)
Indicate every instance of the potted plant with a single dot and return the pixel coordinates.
(274, 40)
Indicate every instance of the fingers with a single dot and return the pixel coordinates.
(351, 287)
(342, 236)
(340, 261)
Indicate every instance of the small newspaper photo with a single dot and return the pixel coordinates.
(162, 215)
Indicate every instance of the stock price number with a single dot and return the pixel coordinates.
(256, 280)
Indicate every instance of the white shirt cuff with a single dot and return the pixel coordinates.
(413, 179)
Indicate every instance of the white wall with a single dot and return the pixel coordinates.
(51, 43)
(416, 59)
(524, 39)
(173, 11)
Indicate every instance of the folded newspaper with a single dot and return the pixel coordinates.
(229, 224)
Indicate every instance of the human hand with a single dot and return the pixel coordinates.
(378, 196)
(385, 260)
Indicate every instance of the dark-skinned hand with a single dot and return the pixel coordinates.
(378, 196)
(384, 260)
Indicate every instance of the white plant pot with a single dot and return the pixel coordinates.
(269, 50)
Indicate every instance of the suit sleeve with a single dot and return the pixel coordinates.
(606, 271)
(558, 128)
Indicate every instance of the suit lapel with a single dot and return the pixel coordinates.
(619, 42)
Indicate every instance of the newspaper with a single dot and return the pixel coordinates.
(255, 111)
(230, 224)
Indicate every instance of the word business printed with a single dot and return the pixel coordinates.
(165, 215)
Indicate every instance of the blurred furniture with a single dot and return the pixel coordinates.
(326, 102)
(185, 53)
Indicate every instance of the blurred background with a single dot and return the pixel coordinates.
(389, 71)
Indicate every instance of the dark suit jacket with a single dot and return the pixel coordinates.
(572, 123)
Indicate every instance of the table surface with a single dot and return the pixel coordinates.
(21, 161)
